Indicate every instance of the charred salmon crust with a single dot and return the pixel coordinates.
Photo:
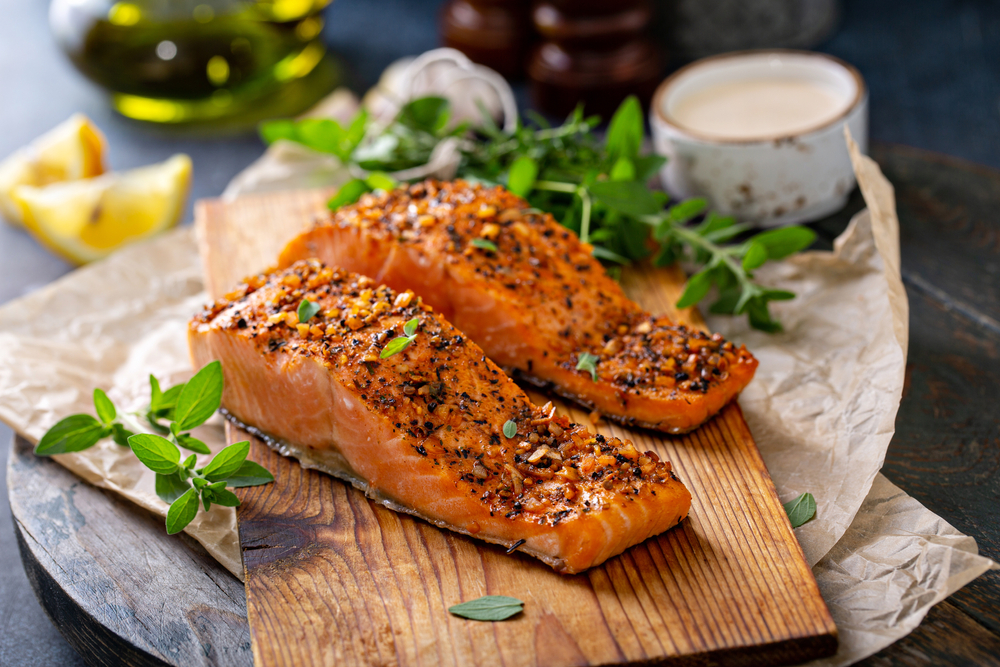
(537, 303)
(422, 430)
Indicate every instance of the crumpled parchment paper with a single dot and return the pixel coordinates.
(822, 406)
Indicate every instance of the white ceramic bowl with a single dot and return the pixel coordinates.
(772, 180)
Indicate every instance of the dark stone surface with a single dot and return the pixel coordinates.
(933, 68)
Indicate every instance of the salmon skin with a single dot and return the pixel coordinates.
(436, 429)
(532, 295)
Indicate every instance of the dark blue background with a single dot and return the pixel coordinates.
(932, 67)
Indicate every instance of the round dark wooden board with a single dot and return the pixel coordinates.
(116, 585)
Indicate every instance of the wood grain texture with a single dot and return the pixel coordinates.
(118, 588)
(333, 578)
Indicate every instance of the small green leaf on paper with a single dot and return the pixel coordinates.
(488, 608)
(801, 510)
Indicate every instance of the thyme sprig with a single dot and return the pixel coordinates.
(178, 482)
(596, 187)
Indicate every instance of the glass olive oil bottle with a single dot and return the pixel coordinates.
(180, 61)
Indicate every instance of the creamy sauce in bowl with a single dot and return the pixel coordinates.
(757, 108)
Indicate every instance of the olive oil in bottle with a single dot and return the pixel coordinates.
(182, 61)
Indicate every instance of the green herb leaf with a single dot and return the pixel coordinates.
(156, 452)
(410, 328)
(785, 241)
(523, 173)
(484, 244)
(120, 434)
(200, 397)
(249, 474)
(105, 408)
(199, 483)
(307, 309)
(192, 444)
(623, 170)
(379, 180)
(509, 428)
(427, 114)
(274, 130)
(488, 608)
(189, 461)
(628, 197)
(182, 512)
(601, 252)
(801, 510)
(348, 193)
(394, 346)
(225, 498)
(755, 256)
(227, 462)
(170, 487)
(697, 287)
(207, 497)
(625, 130)
(72, 434)
(588, 362)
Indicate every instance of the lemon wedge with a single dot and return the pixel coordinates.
(86, 220)
(72, 150)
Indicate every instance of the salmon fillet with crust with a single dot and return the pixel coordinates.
(422, 430)
(532, 295)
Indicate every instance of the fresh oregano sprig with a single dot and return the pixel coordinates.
(400, 343)
(596, 187)
(178, 482)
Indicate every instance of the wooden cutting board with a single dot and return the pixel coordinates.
(333, 578)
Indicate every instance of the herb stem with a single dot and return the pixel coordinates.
(581, 192)
(556, 186)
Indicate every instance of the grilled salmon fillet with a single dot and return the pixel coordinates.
(425, 430)
(532, 295)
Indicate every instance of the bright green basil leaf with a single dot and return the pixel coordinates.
(523, 173)
(227, 462)
(224, 498)
(394, 346)
(696, 289)
(623, 170)
(509, 428)
(170, 487)
(625, 130)
(72, 434)
(488, 608)
(628, 197)
(120, 434)
(272, 130)
(348, 193)
(785, 241)
(200, 397)
(105, 408)
(484, 244)
(192, 444)
(156, 452)
(410, 327)
(801, 510)
(755, 256)
(249, 474)
(307, 310)
(320, 134)
(588, 362)
(379, 180)
(182, 511)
